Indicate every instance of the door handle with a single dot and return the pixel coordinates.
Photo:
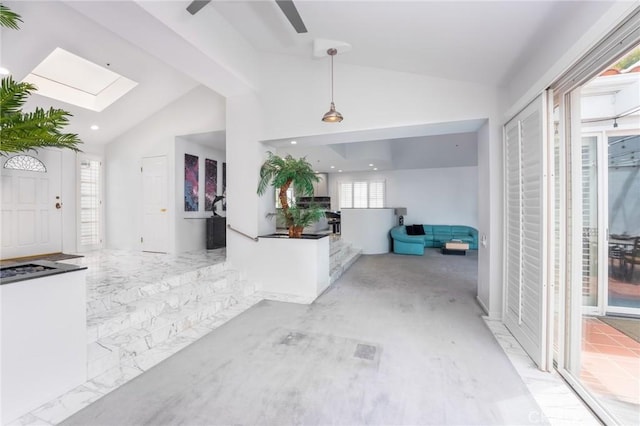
(58, 205)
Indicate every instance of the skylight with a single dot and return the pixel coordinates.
(75, 80)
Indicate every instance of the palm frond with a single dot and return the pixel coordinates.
(21, 132)
(8, 18)
(13, 94)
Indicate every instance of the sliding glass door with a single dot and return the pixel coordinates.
(598, 346)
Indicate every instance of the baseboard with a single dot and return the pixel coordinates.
(491, 315)
(482, 305)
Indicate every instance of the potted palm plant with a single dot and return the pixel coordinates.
(285, 173)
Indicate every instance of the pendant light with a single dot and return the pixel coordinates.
(332, 116)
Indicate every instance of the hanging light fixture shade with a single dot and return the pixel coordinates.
(332, 116)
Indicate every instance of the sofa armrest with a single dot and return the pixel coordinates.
(399, 233)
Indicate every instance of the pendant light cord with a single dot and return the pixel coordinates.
(332, 78)
(332, 52)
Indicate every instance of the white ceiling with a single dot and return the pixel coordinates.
(478, 41)
(48, 25)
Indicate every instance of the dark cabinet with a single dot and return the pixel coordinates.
(216, 232)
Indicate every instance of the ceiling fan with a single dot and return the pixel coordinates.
(288, 8)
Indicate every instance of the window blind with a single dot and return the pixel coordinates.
(90, 203)
(362, 194)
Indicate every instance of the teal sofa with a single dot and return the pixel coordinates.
(434, 236)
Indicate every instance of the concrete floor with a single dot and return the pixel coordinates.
(397, 340)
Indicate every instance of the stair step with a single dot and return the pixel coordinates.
(109, 351)
(132, 290)
(349, 258)
(129, 330)
(123, 316)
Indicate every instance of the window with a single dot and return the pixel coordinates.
(90, 199)
(26, 163)
(362, 194)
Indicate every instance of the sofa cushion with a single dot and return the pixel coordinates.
(418, 230)
(458, 230)
(415, 230)
(442, 229)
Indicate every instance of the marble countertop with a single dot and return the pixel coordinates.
(48, 268)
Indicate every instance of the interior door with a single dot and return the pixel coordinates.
(31, 214)
(155, 221)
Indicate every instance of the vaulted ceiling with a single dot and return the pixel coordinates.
(477, 41)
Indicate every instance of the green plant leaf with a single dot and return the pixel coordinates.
(20, 131)
(8, 18)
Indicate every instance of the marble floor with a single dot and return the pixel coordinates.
(557, 401)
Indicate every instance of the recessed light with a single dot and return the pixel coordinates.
(333, 167)
(339, 171)
(4, 71)
(294, 142)
(95, 127)
(375, 168)
(370, 165)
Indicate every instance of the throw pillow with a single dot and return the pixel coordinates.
(418, 230)
(410, 230)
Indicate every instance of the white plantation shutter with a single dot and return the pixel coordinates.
(376, 194)
(360, 195)
(346, 195)
(90, 223)
(525, 249)
(513, 240)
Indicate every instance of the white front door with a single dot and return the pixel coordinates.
(31, 215)
(155, 221)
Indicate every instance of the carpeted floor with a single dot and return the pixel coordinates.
(628, 326)
(53, 257)
(397, 340)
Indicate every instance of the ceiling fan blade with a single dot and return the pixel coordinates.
(290, 11)
(196, 5)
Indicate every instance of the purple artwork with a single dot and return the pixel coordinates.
(210, 183)
(224, 186)
(190, 183)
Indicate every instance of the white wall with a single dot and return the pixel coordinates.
(199, 111)
(446, 196)
(190, 227)
(490, 221)
(369, 98)
(246, 212)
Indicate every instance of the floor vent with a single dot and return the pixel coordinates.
(365, 352)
